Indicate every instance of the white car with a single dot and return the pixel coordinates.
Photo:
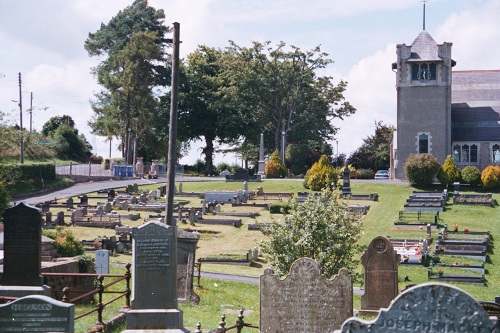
(382, 174)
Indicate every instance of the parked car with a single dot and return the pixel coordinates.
(382, 174)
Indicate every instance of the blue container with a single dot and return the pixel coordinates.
(130, 170)
(116, 170)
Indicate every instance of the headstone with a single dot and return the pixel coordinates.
(76, 216)
(346, 181)
(108, 208)
(134, 200)
(37, 313)
(99, 211)
(135, 188)
(186, 255)
(45, 206)
(142, 197)
(255, 253)
(380, 262)
(124, 205)
(428, 307)
(218, 208)
(60, 218)
(102, 262)
(84, 200)
(192, 212)
(180, 187)
(129, 189)
(111, 195)
(69, 203)
(120, 247)
(22, 246)
(48, 217)
(262, 163)
(154, 291)
(139, 167)
(305, 301)
(245, 186)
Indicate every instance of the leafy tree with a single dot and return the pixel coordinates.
(322, 175)
(320, 229)
(4, 195)
(275, 168)
(421, 169)
(66, 141)
(374, 153)
(133, 44)
(471, 175)
(449, 172)
(281, 94)
(203, 111)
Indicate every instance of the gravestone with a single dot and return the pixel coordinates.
(22, 244)
(305, 301)
(142, 197)
(102, 261)
(186, 256)
(37, 314)
(139, 167)
(262, 163)
(380, 262)
(60, 218)
(154, 291)
(346, 181)
(428, 307)
(69, 203)
(111, 195)
(108, 208)
(84, 200)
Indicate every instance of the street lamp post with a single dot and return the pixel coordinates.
(337, 159)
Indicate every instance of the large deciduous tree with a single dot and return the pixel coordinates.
(375, 151)
(132, 71)
(280, 92)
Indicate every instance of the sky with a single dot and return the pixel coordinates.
(43, 40)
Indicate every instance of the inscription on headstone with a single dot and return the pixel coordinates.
(380, 262)
(22, 246)
(428, 307)
(37, 314)
(152, 267)
(305, 301)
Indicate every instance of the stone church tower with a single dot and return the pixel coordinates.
(423, 82)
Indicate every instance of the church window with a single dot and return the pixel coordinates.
(495, 153)
(465, 153)
(423, 143)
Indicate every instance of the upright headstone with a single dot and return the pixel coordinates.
(69, 203)
(22, 246)
(139, 167)
(111, 195)
(154, 291)
(102, 261)
(180, 187)
(305, 301)
(84, 200)
(37, 313)
(186, 256)
(428, 307)
(261, 163)
(380, 262)
(60, 218)
(346, 181)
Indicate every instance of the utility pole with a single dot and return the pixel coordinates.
(21, 120)
(31, 113)
(172, 136)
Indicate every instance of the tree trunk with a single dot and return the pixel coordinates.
(208, 151)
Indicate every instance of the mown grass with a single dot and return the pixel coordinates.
(224, 240)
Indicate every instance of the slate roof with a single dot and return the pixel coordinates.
(424, 48)
(475, 109)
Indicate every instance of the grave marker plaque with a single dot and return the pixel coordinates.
(22, 246)
(102, 261)
(305, 301)
(428, 307)
(37, 314)
(380, 262)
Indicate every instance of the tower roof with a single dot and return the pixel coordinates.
(424, 48)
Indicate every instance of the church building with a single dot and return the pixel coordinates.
(441, 111)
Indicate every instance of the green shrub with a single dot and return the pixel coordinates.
(490, 177)
(306, 179)
(279, 208)
(421, 169)
(471, 175)
(365, 174)
(323, 175)
(64, 242)
(274, 167)
(449, 172)
(298, 158)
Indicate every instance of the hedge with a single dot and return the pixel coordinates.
(28, 172)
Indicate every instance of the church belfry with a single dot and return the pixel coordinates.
(423, 83)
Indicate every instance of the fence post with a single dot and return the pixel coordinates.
(127, 290)
(99, 325)
(240, 323)
(222, 324)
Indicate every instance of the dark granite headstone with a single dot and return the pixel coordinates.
(37, 314)
(69, 203)
(305, 301)
(428, 307)
(84, 200)
(380, 262)
(22, 246)
(111, 195)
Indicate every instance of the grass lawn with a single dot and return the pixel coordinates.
(227, 240)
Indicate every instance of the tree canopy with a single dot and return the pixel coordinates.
(375, 152)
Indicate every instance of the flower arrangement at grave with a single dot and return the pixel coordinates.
(455, 263)
(466, 230)
(406, 258)
(440, 271)
(455, 226)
